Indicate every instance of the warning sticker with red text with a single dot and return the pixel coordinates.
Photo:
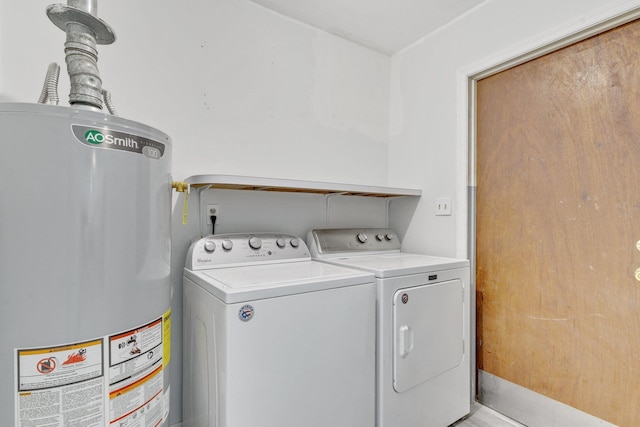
(62, 386)
(114, 380)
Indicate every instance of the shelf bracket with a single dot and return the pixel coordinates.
(388, 203)
(327, 203)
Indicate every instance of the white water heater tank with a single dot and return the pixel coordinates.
(84, 269)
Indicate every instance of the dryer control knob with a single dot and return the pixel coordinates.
(389, 236)
(281, 243)
(210, 246)
(295, 242)
(362, 238)
(379, 237)
(227, 245)
(255, 242)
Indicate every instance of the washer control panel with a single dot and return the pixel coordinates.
(333, 241)
(224, 250)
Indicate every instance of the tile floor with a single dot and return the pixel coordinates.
(481, 416)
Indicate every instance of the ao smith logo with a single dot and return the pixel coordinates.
(110, 139)
(96, 137)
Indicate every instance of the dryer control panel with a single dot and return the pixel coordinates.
(225, 250)
(334, 241)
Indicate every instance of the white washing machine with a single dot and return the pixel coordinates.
(423, 323)
(273, 338)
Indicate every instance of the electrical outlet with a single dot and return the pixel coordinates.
(443, 206)
(212, 210)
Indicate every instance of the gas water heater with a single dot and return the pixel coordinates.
(84, 252)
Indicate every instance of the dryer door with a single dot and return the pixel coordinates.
(427, 332)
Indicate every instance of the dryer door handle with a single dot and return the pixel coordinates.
(405, 340)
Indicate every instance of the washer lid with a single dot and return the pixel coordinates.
(398, 263)
(240, 284)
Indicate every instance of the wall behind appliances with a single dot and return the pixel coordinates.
(247, 91)
(241, 90)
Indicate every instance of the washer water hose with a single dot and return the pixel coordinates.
(78, 18)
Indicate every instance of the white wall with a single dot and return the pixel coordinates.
(428, 135)
(247, 91)
(240, 89)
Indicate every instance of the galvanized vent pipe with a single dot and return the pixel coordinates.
(78, 18)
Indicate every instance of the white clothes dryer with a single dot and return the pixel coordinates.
(273, 338)
(423, 325)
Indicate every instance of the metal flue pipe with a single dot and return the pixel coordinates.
(90, 6)
(78, 18)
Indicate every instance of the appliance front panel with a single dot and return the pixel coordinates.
(427, 332)
(280, 362)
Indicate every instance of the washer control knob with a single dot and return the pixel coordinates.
(209, 246)
(379, 237)
(227, 245)
(255, 242)
(389, 236)
(362, 238)
(281, 243)
(295, 242)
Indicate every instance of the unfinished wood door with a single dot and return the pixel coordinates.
(558, 225)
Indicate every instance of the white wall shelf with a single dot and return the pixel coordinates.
(234, 182)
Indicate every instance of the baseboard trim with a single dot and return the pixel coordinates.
(530, 408)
